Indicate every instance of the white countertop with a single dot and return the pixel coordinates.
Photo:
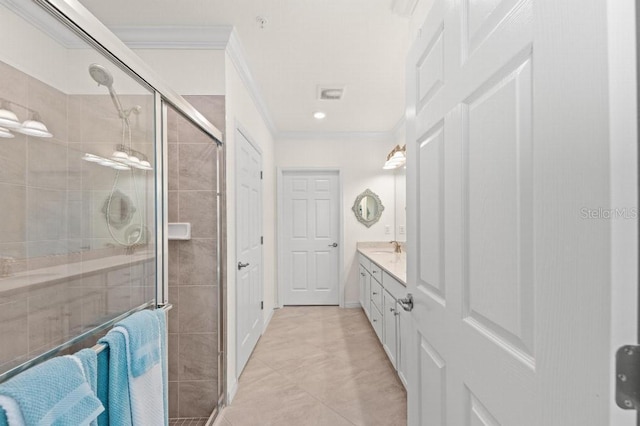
(383, 255)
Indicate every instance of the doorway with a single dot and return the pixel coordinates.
(309, 237)
(248, 247)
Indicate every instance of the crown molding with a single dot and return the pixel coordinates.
(342, 136)
(174, 37)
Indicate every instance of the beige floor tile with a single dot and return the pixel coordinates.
(318, 366)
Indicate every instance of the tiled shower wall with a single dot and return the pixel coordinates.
(193, 285)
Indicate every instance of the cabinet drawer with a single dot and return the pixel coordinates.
(393, 286)
(376, 272)
(376, 294)
(364, 261)
(376, 321)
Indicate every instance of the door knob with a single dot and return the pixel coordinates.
(406, 303)
(333, 245)
(242, 265)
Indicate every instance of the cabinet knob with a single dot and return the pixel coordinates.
(396, 313)
(374, 293)
(375, 272)
(375, 320)
(362, 273)
(391, 310)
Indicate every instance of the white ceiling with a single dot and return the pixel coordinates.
(359, 44)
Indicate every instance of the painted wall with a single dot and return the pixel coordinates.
(242, 111)
(32, 51)
(189, 71)
(360, 161)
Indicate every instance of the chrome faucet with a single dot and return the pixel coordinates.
(397, 246)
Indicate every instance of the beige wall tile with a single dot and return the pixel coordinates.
(13, 84)
(13, 160)
(199, 208)
(198, 262)
(13, 226)
(14, 330)
(197, 166)
(198, 307)
(197, 398)
(51, 104)
(47, 165)
(198, 357)
(172, 160)
(173, 399)
(174, 356)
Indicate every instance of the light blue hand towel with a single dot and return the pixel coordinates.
(3, 418)
(118, 402)
(53, 393)
(89, 360)
(144, 334)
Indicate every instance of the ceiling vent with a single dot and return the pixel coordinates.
(330, 93)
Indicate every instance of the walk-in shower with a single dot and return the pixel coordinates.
(82, 242)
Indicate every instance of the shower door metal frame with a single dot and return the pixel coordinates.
(77, 18)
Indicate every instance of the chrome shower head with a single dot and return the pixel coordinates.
(101, 75)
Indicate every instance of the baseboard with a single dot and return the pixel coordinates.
(267, 321)
(352, 305)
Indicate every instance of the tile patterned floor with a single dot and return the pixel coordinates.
(318, 366)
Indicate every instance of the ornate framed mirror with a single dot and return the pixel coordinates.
(368, 208)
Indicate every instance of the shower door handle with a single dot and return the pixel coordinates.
(242, 265)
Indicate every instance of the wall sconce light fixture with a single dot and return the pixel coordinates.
(10, 123)
(396, 158)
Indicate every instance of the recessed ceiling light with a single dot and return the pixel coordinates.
(319, 115)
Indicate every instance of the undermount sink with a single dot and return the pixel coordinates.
(382, 252)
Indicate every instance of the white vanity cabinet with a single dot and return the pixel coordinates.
(401, 321)
(379, 292)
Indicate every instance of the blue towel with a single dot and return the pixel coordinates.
(103, 386)
(144, 334)
(89, 360)
(118, 402)
(3, 418)
(53, 393)
(133, 395)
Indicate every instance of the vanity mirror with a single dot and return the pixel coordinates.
(368, 208)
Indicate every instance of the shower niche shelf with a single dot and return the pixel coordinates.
(179, 231)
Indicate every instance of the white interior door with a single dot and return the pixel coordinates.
(309, 237)
(248, 249)
(509, 145)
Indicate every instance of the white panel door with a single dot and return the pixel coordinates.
(248, 249)
(508, 148)
(309, 238)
